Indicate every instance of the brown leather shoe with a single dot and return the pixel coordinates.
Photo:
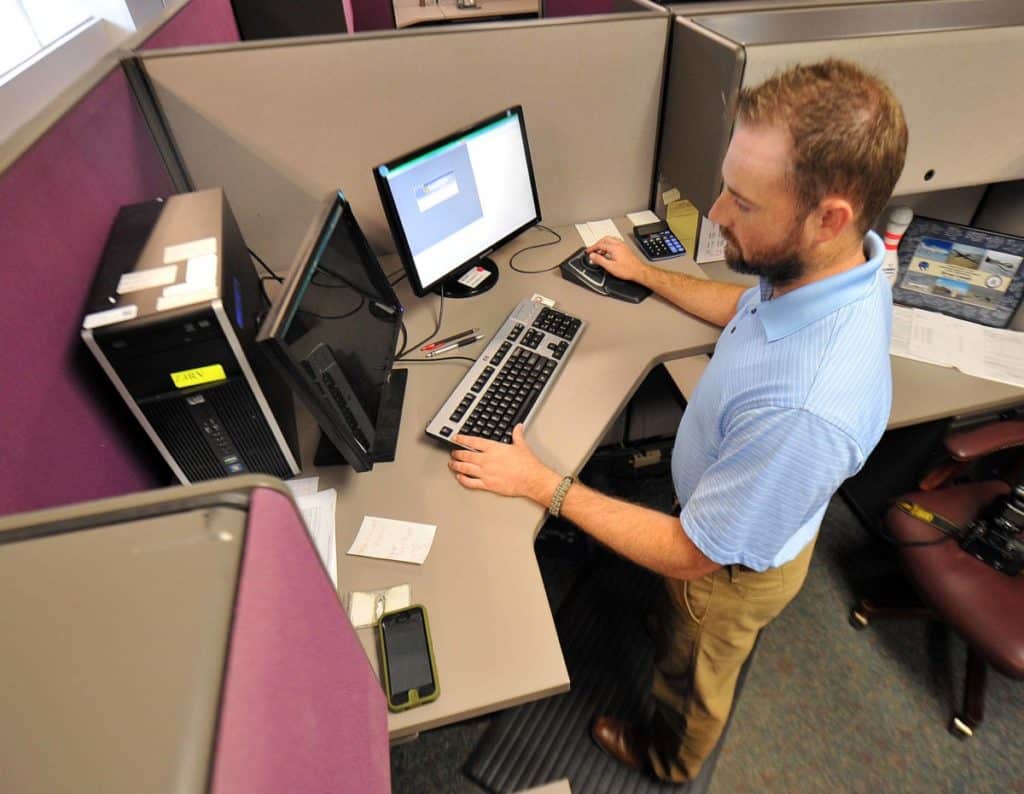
(621, 741)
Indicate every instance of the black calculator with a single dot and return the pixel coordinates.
(657, 241)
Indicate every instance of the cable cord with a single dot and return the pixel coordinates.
(437, 327)
(531, 247)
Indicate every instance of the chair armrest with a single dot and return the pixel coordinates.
(980, 441)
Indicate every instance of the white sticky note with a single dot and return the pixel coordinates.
(110, 316)
(173, 297)
(190, 250)
(670, 195)
(201, 271)
(640, 218)
(388, 539)
(145, 279)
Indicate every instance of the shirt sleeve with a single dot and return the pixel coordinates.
(776, 470)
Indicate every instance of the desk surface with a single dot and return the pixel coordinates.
(410, 12)
(493, 633)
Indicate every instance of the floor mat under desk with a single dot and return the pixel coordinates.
(609, 658)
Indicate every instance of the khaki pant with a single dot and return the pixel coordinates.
(705, 633)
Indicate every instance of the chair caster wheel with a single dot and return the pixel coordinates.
(858, 619)
(960, 729)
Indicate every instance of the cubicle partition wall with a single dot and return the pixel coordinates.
(278, 125)
(954, 64)
(66, 435)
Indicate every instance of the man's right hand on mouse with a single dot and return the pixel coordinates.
(617, 258)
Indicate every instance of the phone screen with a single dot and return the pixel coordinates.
(408, 657)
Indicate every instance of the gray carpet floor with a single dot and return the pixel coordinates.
(825, 708)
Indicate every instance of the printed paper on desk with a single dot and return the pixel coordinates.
(710, 243)
(303, 486)
(318, 512)
(594, 230)
(388, 539)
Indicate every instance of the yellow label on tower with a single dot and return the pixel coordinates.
(198, 376)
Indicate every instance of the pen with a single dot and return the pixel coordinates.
(454, 345)
(447, 339)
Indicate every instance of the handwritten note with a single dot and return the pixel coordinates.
(388, 539)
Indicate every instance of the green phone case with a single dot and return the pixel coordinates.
(414, 695)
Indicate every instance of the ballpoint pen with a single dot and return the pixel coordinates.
(454, 345)
(447, 339)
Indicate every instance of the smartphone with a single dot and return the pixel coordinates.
(407, 659)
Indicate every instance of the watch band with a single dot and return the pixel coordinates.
(559, 496)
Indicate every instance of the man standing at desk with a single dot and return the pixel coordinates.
(794, 400)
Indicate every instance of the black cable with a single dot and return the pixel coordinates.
(908, 543)
(437, 327)
(405, 335)
(531, 247)
(266, 267)
(433, 360)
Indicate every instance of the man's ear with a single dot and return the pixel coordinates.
(832, 219)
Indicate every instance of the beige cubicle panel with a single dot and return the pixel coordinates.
(281, 124)
(954, 64)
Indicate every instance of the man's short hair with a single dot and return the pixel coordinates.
(848, 133)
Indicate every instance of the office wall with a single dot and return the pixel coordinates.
(569, 8)
(66, 435)
(279, 126)
(200, 22)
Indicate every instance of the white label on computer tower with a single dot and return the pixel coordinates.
(201, 271)
(179, 253)
(110, 316)
(145, 279)
(184, 298)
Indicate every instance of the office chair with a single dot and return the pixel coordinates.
(983, 605)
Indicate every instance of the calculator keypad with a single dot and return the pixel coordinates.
(661, 245)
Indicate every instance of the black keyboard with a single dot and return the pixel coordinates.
(511, 375)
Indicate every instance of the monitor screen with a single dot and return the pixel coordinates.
(331, 332)
(452, 202)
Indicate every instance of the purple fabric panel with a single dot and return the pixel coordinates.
(200, 22)
(302, 708)
(372, 15)
(57, 204)
(569, 8)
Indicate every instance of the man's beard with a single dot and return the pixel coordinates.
(778, 266)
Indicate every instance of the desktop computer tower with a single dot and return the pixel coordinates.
(172, 320)
(183, 640)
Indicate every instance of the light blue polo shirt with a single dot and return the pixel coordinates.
(796, 396)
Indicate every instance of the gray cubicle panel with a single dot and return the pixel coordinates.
(281, 124)
(954, 64)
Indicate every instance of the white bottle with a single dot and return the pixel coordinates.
(899, 220)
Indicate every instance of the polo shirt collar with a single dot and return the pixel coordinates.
(789, 313)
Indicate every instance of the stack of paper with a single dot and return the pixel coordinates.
(991, 353)
(593, 231)
(317, 508)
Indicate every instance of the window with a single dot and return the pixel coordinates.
(46, 45)
(30, 26)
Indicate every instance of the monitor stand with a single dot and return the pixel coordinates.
(453, 289)
(389, 419)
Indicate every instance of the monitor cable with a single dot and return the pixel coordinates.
(558, 239)
(437, 327)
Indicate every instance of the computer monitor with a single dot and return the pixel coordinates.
(450, 203)
(331, 332)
